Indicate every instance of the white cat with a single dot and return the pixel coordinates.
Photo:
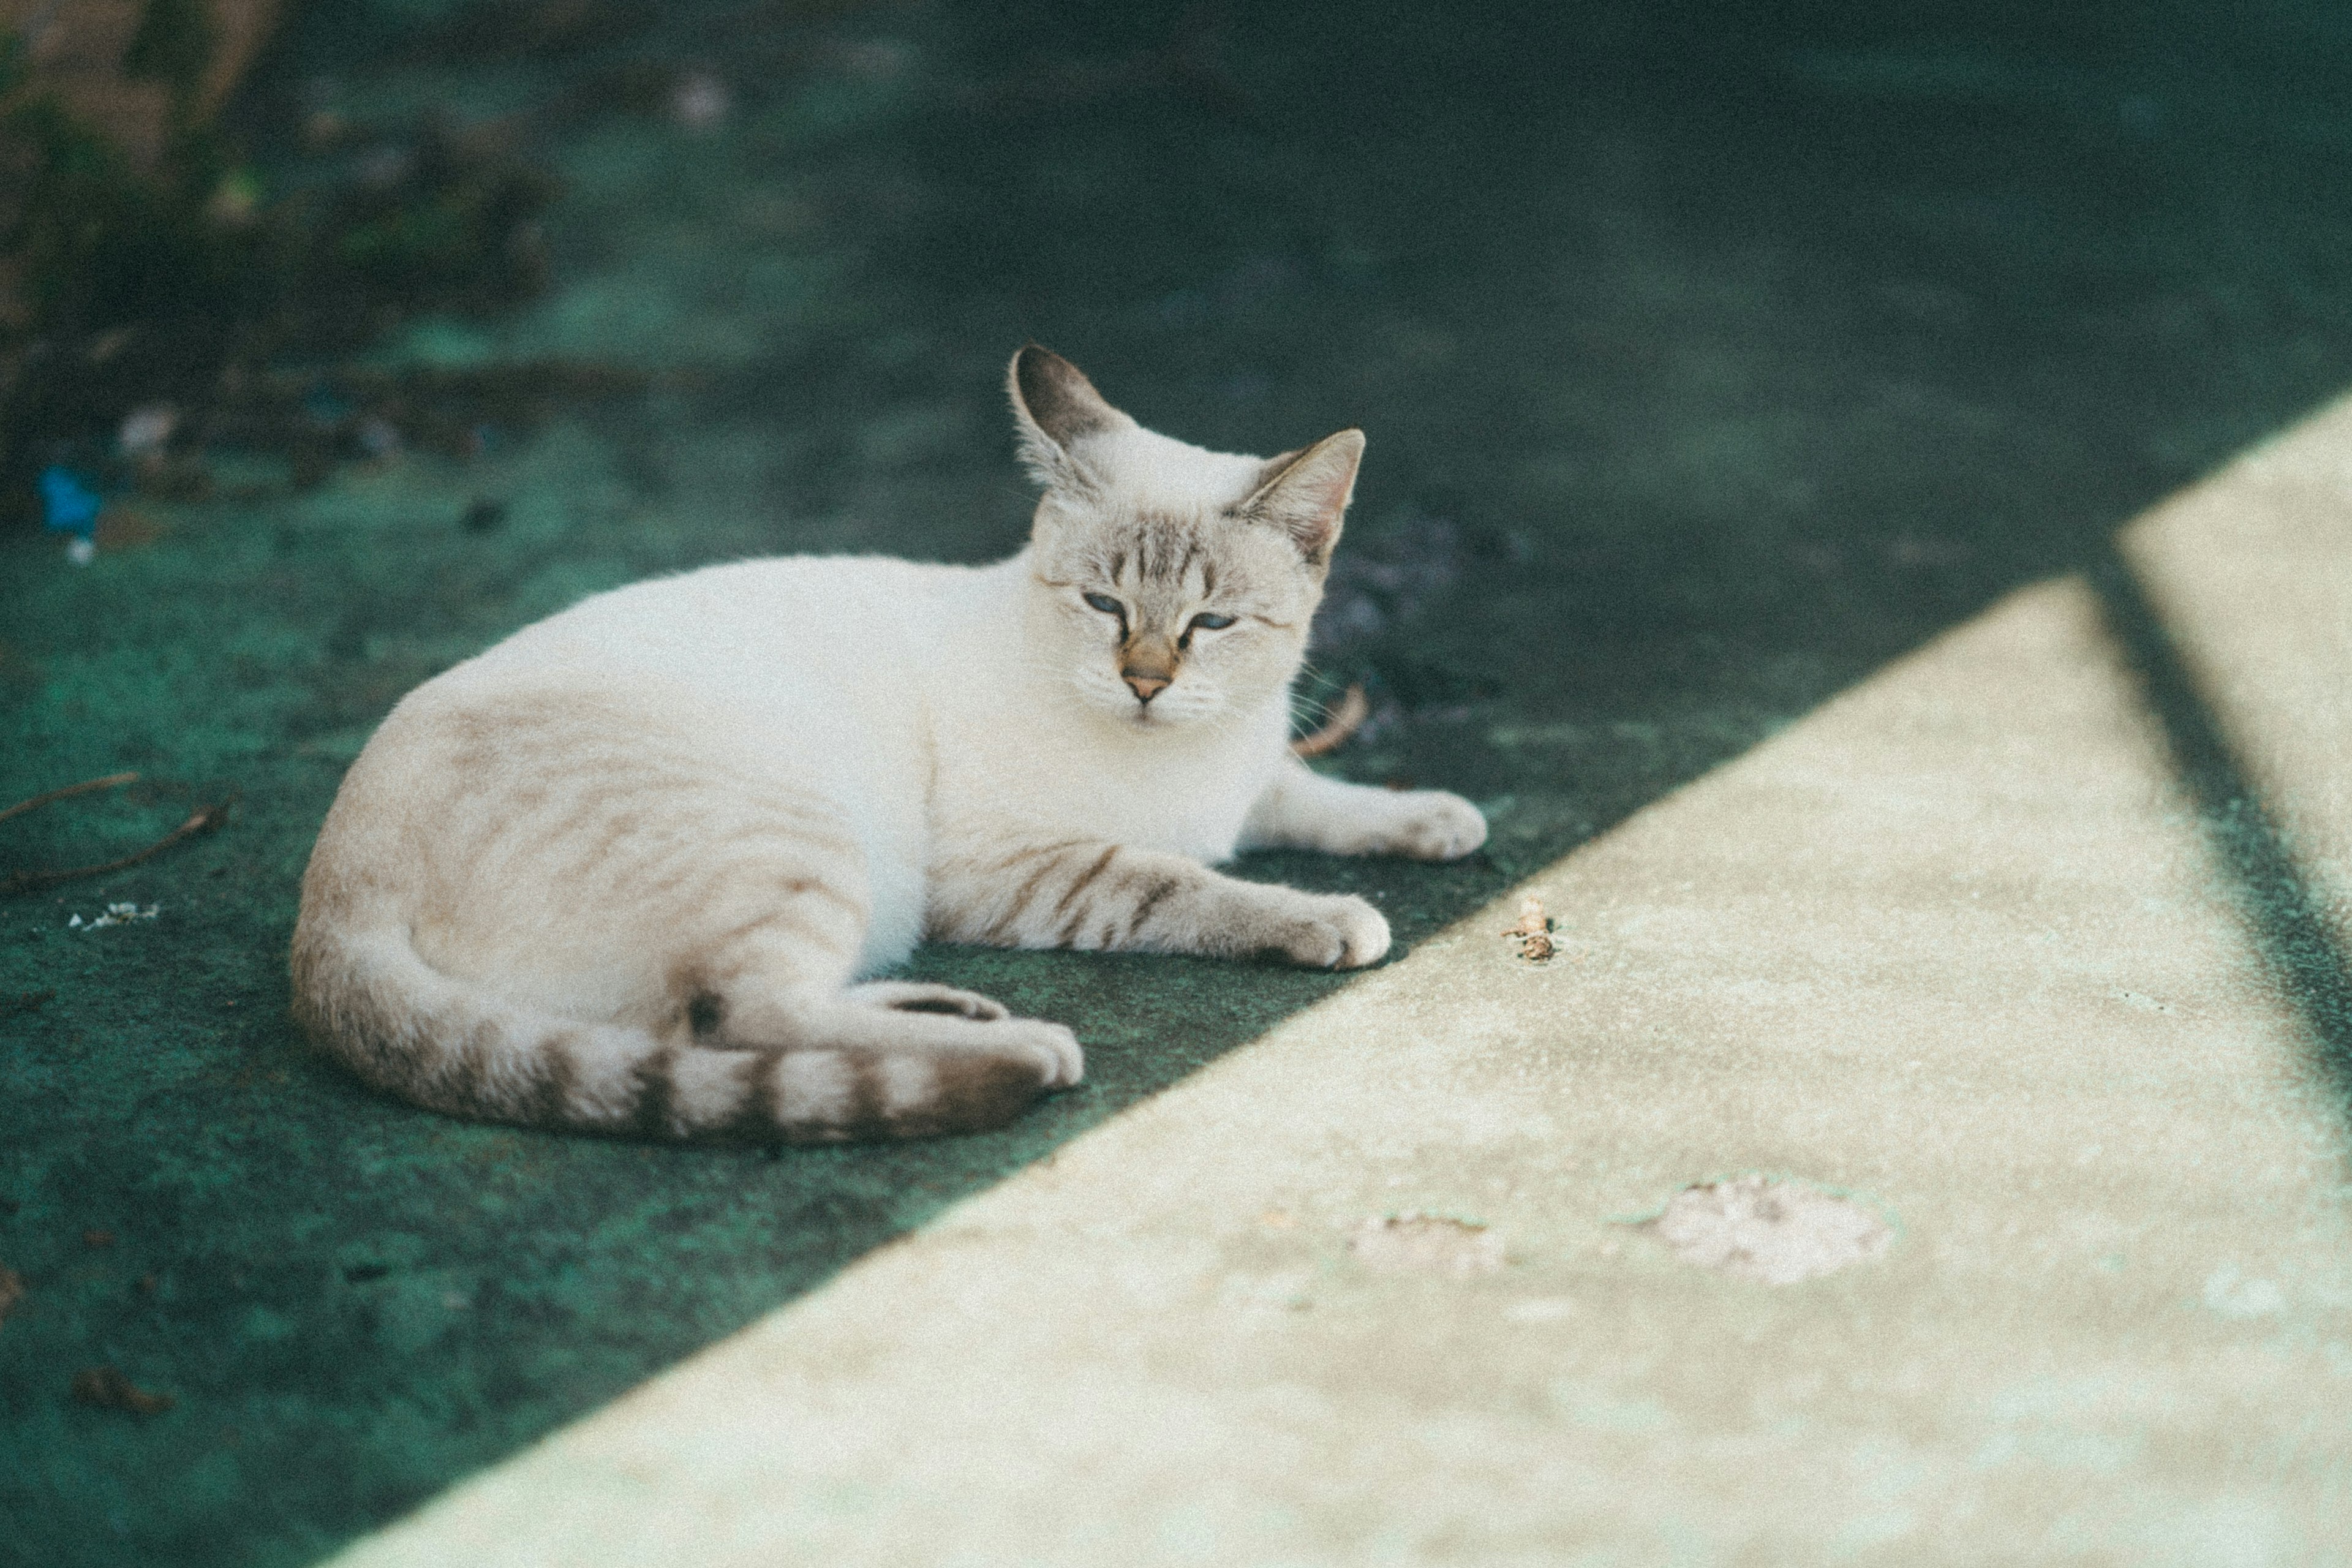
(622, 871)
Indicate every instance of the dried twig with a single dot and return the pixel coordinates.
(108, 782)
(1346, 717)
(203, 819)
(110, 1390)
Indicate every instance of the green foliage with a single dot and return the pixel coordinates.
(453, 233)
(97, 240)
(126, 285)
(135, 286)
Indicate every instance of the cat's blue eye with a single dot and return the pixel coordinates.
(1107, 604)
(1212, 623)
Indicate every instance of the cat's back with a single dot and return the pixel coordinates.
(794, 684)
(772, 627)
(824, 666)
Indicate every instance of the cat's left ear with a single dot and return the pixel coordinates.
(1304, 493)
(1056, 409)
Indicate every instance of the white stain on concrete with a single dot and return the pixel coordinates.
(1775, 1231)
(2236, 1294)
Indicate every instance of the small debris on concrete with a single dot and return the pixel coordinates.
(2144, 1003)
(12, 1290)
(1427, 1244)
(1279, 1219)
(1532, 935)
(1775, 1231)
(110, 1390)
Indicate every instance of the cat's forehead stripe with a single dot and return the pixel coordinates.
(1157, 556)
(1168, 546)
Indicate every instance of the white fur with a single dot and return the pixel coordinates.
(867, 672)
(742, 788)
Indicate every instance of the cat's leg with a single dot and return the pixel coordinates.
(1304, 810)
(638, 938)
(886, 1058)
(1010, 891)
(919, 996)
(752, 1035)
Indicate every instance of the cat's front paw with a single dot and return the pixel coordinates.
(1341, 931)
(1436, 824)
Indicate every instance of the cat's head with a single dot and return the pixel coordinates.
(1169, 586)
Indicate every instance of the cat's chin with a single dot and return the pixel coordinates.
(1155, 719)
(1124, 712)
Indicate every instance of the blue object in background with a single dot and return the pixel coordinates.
(67, 505)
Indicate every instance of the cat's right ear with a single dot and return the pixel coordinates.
(1306, 493)
(1056, 408)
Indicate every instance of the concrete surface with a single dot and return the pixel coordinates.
(1957, 946)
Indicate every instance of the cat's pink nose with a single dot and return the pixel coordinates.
(1144, 685)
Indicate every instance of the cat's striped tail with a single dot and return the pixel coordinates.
(885, 1061)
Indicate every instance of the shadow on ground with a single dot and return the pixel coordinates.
(1709, 363)
(2282, 913)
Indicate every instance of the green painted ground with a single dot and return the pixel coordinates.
(1707, 367)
